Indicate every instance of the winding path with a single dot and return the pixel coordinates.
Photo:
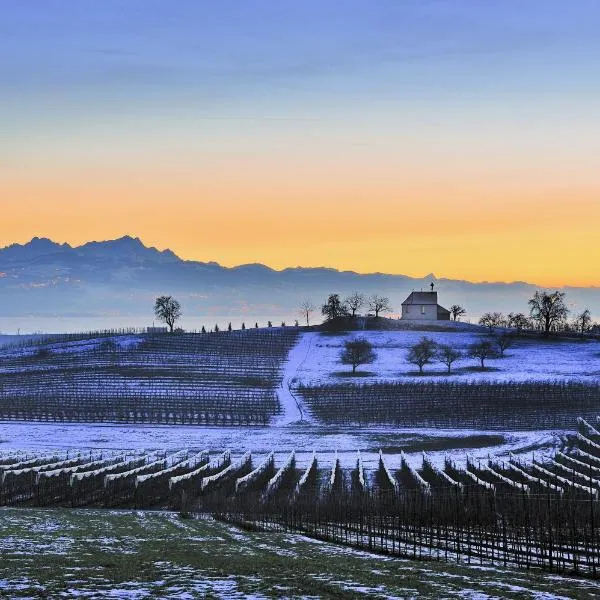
(293, 408)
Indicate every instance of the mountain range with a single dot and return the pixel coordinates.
(117, 280)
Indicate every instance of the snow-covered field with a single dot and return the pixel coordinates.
(527, 360)
(6, 340)
(314, 359)
(12, 348)
(304, 439)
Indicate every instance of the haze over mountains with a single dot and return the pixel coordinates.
(49, 286)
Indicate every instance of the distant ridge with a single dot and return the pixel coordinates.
(122, 276)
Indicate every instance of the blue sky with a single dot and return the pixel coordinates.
(205, 54)
(488, 105)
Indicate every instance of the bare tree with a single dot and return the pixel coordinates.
(518, 321)
(457, 311)
(357, 352)
(583, 321)
(422, 353)
(482, 351)
(306, 309)
(503, 341)
(492, 320)
(379, 304)
(354, 302)
(167, 310)
(448, 355)
(549, 310)
(334, 308)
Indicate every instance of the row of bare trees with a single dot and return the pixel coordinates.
(168, 310)
(427, 351)
(360, 351)
(548, 311)
(337, 308)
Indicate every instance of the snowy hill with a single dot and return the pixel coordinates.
(527, 360)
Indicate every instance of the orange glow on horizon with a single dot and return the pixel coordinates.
(405, 138)
(493, 230)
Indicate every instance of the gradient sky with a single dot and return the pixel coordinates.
(459, 137)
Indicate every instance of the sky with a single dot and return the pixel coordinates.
(457, 137)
